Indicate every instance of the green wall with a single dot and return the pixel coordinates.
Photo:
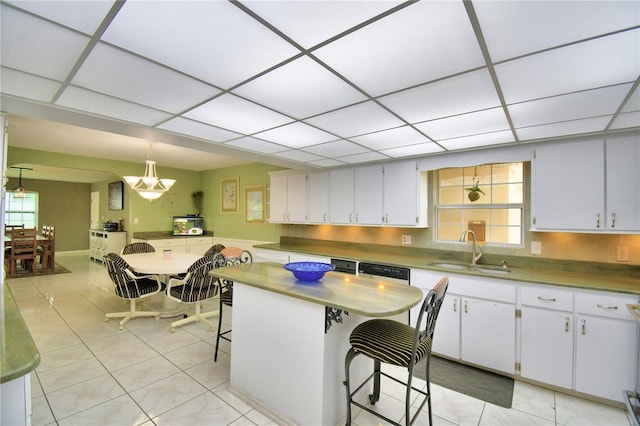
(150, 215)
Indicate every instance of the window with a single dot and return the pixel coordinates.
(21, 210)
(498, 214)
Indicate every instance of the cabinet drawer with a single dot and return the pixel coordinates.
(605, 305)
(547, 297)
(494, 290)
(192, 241)
(161, 244)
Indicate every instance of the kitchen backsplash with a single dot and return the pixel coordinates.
(555, 245)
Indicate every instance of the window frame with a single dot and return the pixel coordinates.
(8, 213)
(488, 206)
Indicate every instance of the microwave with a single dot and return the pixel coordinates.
(188, 225)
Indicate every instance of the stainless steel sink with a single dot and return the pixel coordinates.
(456, 266)
(487, 269)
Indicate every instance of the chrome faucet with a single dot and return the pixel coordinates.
(474, 257)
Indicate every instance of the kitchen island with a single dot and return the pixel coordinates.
(290, 337)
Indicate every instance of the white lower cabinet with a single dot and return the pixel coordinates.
(488, 334)
(575, 339)
(476, 323)
(606, 347)
(546, 335)
(102, 243)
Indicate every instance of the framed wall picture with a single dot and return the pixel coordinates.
(116, 200)
(254, 197)
(229, 195)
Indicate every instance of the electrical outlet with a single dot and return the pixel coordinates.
(536, 247)
(622, 254)
(406, 239)
(135, 220)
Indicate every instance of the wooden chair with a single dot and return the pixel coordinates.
(24, 248)
(9, 228)
(48, 248)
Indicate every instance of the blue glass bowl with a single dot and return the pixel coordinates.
(309, 271)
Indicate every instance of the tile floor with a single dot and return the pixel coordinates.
(92, 374)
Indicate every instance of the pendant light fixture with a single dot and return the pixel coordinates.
(149, 186)
(20, 192)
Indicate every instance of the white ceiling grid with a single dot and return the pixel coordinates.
(329, 83)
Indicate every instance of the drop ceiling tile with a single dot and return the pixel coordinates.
(420, 43)
(485, 139)
(363, 158)
(596, 63)
(237, 114)
(627, 120)
(633, 104)
(298, 155)
(212, 40)
(574, 127)
(81, 15)
(36, 46)
(513, 28)
(391, 138)
(413, 150)
(461, 94)
(300, 89)
(355, 120)
(95, 103)
(311, 22)
(120, 74)
(193, 128)
(490, 120)
(327, 162)
(27, 86)
(336, 149)
(257, 145)
(296, 135)
(590, 103)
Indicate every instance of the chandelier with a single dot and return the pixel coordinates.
(149, 186)
(20, 192)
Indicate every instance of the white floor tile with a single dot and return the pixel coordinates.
(91, 373)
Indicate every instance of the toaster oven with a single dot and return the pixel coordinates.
(110, 226)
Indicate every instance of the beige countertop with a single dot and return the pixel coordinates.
(359, 295)
(587, 275)
(18, 352)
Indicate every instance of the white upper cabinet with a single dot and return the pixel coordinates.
(623, 185)
(404, 201)
(288, 198)
(567, 188)
(589, 186)
(368, 195)
(318, 191)
(341, 192)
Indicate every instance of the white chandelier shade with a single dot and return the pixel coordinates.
(149, 186)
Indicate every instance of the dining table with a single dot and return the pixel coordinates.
(164, 264)
(42, 242)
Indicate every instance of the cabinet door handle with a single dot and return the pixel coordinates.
(466, 307)
(597, 220)
(613, 220)
(601, 306)
(386, 218)
(455, 305)
(584, 327)
(566, 324)
(356, 217)
(350, 217)
(324, 217)
(547, 299)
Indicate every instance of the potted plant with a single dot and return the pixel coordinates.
(197, 198)
(475, 191)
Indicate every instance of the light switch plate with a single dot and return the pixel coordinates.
(536, 247)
